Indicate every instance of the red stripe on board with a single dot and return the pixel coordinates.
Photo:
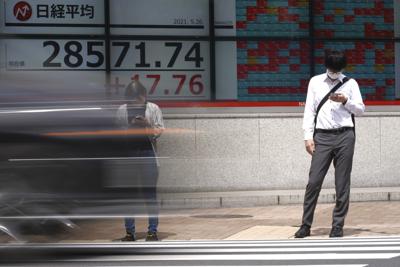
(272, 90)
(233, 103)
(223, 104)
(383, 103)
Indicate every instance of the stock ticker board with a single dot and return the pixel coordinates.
(279, 70)
(170, 69)
(178, 68)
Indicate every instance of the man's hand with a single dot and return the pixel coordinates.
(310, 146)
(141, 121)
(338, 97)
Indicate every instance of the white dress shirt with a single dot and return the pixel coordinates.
(332, 114)
(154, 116)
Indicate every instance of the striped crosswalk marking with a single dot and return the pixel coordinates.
(248, 257)
(343, 252)
(341, 265)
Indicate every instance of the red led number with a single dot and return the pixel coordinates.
(196, 86)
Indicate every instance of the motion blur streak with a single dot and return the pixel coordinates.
(119, 132)
(46, 110)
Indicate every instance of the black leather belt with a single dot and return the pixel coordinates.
(335, 131)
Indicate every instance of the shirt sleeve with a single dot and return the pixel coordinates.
(355, 104)
(121, 117)
(309, 113)
(156, 121)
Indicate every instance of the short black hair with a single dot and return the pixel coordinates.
(135, 89)
(335, 60)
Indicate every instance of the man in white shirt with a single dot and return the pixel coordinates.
(136, 93)
(329, 135)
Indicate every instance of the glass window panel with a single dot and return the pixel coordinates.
(43, 70)
(397, 18)
(354, 19)
(170, 70)
(56, 16)
(226, 70)
(159, 17)
(225, 17)
(272, 70)
(272, 18)
(397, 59)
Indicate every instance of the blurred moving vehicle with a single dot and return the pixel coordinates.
(62, 163)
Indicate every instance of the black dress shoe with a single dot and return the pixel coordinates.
(129, 237)
(151, 236)
(302, 232)
(336, 232)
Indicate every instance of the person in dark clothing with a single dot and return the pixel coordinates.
(152, 121)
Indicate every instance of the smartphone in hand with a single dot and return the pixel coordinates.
(138, 117)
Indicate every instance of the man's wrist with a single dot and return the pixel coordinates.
(308, 136)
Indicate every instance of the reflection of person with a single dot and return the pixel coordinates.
(136, 93)
(329, 135)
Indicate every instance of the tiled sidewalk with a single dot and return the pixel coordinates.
(258, 223)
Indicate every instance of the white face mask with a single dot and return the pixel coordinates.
(333, 75)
